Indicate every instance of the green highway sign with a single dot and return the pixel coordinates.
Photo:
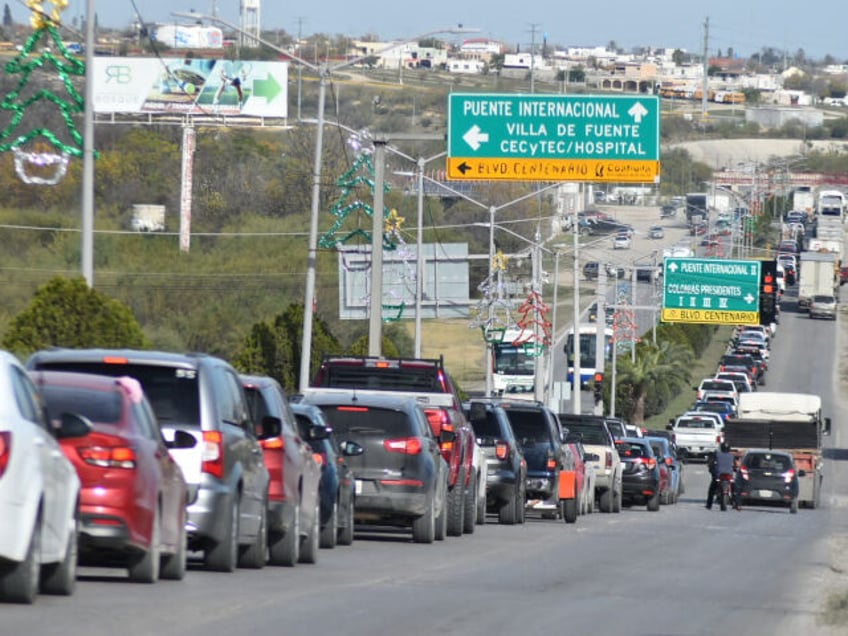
(711, 291)
(507, 136)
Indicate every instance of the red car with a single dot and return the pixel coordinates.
(133, 497)
(294, 517)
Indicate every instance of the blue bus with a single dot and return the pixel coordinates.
(588, 363)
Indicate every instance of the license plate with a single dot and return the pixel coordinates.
(766, 494)
(357, 486)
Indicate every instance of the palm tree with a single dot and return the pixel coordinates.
(663, 367)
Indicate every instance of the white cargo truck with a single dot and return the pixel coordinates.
(817, 276)
(148, 218)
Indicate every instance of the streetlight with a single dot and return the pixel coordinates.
(323, 71)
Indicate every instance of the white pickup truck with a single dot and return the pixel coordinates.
(696, 435)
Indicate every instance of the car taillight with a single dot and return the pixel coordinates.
(212, 453)
(789, 475)
(649, 462)
(405, 445)
(320, 458)
(552, 463)
(273, 443)
(608, 461)
(744, 472)
(108, 456)
(5, 450)
(501, 450)
(437, 418)
(668, 461)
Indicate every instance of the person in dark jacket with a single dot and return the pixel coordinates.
(720, 462)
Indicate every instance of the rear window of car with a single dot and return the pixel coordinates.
(528, 426)
(590, 434)
(767, 461)
(823, 299)
(627, 450)
(391, 378)
(486, 429)
(716, 386)
(172, 391)
(101, 407)
(695, 423)
(365, 420)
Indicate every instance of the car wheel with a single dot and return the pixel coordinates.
(330, 531)
(654, 503)
(455, 500)
(793, 507)
(569, 510)
(60, 578)
(20, 584)
(470, 505)
(508, 510)
(146, 568)
(224, 556)
(481, 510)
(617, 500)
(441, 528)
(424, 527)
(346, 531)
(285, 550)
(255, 556)
(606, 501)
(311, 542)
(174, 565)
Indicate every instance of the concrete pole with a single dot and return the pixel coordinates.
(600, 339)
(490, 347)
(419, 267)
(375, 318)
(576, 407)
(87, 246)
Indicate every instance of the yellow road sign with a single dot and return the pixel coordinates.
(711, 316)
(522, 169)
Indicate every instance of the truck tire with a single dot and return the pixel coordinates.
(605, 502)
(793, 507)
(569, 510)
(508, 511)
(470, 505)
(455, 510)
(654, 503)
(424, 527)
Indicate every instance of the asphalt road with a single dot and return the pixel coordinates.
(682, 570)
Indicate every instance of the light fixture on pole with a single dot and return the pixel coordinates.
(324, 71)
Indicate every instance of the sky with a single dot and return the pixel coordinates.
(819, 27)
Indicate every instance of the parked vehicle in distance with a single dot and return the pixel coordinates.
(201, 395)
(666, 453)
(767, 477)
(38, 533)
(823, 306)
(741, 380)
(538, 431)
(621, 241)
(598, 440)
(428, 381)
(337, 481)
(293, 517)
(641, 479)
(697, 435)
(584, 469)
(718, 406)
(133, 496)
(401, 478)
(506, 470)
(715, 386)
(656, 232)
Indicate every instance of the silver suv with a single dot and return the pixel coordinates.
(823, 306)
(201, 395)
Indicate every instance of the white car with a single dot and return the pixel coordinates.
(621, 241)
(39, 490)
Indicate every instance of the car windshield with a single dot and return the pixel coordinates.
(691, 422)
(365, 420)
(627, 450)
(590, 434)
(529, 427)
(823, 299)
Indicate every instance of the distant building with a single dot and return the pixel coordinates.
(480, 49)
(470, 67)
(178, 36)
(776, 116)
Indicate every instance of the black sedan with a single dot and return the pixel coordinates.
(640, 481)
(337, 483)
(767, 477)
(507, 469)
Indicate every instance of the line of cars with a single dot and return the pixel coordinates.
(143, 460)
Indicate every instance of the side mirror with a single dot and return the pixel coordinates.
(573, 438)
(447, 434)
(72, 425)
(802, 473)
(270, 426)
(826, 426)
(669, 427)
(182, 439)
(316, 432)
(350, 449)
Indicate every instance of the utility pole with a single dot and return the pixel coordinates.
(299, 67)
(706, 68)
(533, 28)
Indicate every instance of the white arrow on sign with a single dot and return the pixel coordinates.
(637, 111)
(474, 137)
(749, 299)
(673, 267)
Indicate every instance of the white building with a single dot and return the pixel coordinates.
(470, 67)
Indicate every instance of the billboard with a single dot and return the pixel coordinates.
(190, 86)
(189, 37)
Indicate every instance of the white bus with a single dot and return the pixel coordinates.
(831, 203)
(514, 364)
(588, 338)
